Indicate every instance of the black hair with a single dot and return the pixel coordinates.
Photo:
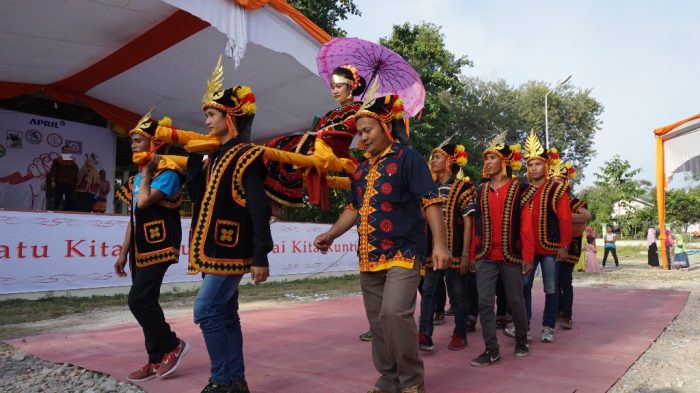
(345, 73)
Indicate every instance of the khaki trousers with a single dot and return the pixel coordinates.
(390, 302)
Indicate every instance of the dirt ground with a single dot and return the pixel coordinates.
(669, 365)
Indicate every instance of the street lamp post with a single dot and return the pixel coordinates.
(546, 115)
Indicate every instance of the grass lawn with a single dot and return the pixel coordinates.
(19, 310)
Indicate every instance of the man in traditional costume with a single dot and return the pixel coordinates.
(551, 221)
(502, 244)
(457, 195)
(390, 191)
(152, 243)
(564, 172)
(230, 232)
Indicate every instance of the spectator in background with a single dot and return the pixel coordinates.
(652, 250)
(103, 188)
(591, 255)
(62, 178)
(669, 248)
(88, 183)
(609, 239)
(680, 257)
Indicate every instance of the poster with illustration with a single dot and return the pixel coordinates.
(33, 143)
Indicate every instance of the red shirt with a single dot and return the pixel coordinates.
(497, 199)
(563, 216)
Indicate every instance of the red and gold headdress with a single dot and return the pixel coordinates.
(236, 102)
(510, 154)
(454, 155)
(387, 109)
(562, 170)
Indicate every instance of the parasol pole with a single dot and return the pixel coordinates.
(375, 72)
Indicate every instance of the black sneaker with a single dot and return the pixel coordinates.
(425, 343)
(439, 318)
(486, 358)
(239, 387)
(213, 387)
(521, 350)
(366, 336)
(450, 312)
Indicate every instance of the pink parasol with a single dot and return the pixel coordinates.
(373, 61)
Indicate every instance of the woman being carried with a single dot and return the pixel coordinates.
(318, 152)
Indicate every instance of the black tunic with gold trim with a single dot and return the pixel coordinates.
(230, 228)
(518, 195)
(285, 183)
(460, 195)
(156, 231)
(575, 248)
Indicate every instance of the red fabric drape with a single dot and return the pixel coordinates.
(13, 89)
(162, 36)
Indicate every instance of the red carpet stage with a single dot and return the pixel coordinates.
(313, 347)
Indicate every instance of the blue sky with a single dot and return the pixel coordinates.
(639, 58)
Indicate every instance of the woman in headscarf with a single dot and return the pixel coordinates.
(652, 250)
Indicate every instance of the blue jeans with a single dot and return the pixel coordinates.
(550, 278)
(216, 313)
(427, 300)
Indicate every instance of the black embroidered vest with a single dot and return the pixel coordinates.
(460, 194)
(221, 240)
(518, 196)
(548, 227)
(575, 248)
(156, 230)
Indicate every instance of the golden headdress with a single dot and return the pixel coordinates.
(237, 102)
(535, 151)
(510, 154)
(560, 169)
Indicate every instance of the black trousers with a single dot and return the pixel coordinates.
(144, 304)
(502, 308)
(63, 193)
(614, 254)
(472, 296)
(566, 289)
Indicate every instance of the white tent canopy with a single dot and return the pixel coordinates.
(113, 52)
(681, 149)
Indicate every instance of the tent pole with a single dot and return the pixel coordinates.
(661, 199)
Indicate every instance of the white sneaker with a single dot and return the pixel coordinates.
(510, 332)
(547, 334)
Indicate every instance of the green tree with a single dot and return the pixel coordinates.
(616, 183)
(635, 222)
(487, 107)
(423, 47)
(683, 207)
(327, 13)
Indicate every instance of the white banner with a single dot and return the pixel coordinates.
(61, 251)
(31, 143)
